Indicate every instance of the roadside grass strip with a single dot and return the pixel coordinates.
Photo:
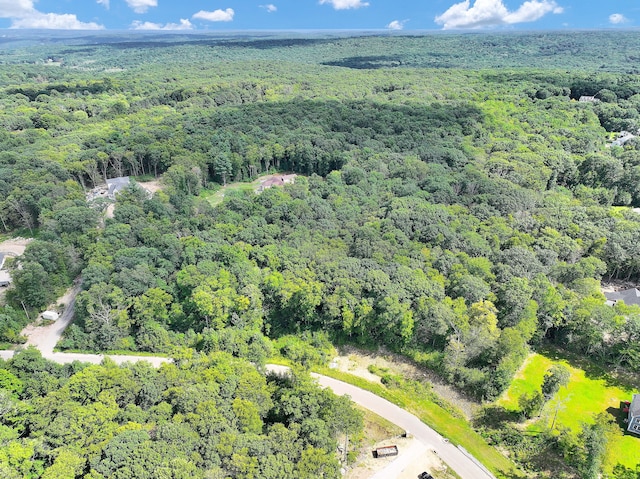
(457, 430)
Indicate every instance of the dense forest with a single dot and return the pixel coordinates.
(457, 206)
(202, 417)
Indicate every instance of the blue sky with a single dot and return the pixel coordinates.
(215, 15)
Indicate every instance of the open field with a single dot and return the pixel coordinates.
(586, 395)
(216, 197)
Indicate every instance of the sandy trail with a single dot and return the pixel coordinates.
(46, 337)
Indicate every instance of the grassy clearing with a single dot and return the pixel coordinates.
(458, 431)
(588, 393)
(376, 428)
(216, 197)
(528, 380)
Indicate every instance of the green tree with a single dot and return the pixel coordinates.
(557, 377)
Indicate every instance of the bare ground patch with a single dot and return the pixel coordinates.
(413, 458)
(152, 186)
(355, 361)
(14, 246)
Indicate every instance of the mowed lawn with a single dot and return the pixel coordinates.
(584, 397)
(216, 197)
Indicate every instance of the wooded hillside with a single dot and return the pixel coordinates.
(455, 208)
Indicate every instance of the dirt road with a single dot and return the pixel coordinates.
(45, 338)
(65, 358)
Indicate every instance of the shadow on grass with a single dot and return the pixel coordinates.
(621, 378)
(618, 415)
(495, 417)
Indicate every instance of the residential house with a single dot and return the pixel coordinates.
(629, 296)
(116, 185)
(589, 99)
(276, 180)
(633, 421)
(623, 137)
(5, 277)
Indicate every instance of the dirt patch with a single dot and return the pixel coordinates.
(616, 285)
(10, 249)
(413, 458)
(14, 246)
(357, 362)
(152, 186)
(45, 334)
(108, 213)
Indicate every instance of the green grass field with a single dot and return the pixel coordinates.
(586, 395)
(216, 197)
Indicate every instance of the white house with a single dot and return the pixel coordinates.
(633, 421)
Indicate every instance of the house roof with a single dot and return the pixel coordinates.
(634, 409)
(629, 296)
(5, 277)
(273, 182)
(115, 185)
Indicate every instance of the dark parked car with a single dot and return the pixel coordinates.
(425, 475)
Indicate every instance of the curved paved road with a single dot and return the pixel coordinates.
(45, 338)
(457, 460)
(451, 455)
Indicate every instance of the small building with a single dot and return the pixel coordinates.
(588, 99)
(277, 180)
(5, 279)
(633, 420)
(629, 296)
(116, 185)
(623, 137)
(50, 316)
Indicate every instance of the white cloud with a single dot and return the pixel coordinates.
(104, 2)
(491, 13)
(216, 15)
(54, 21)
(270, 8)
(24, 15)
(16, 8)
(396, 24)
(617, 18)
(345, 4)
(183, 25)
(141, 6)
